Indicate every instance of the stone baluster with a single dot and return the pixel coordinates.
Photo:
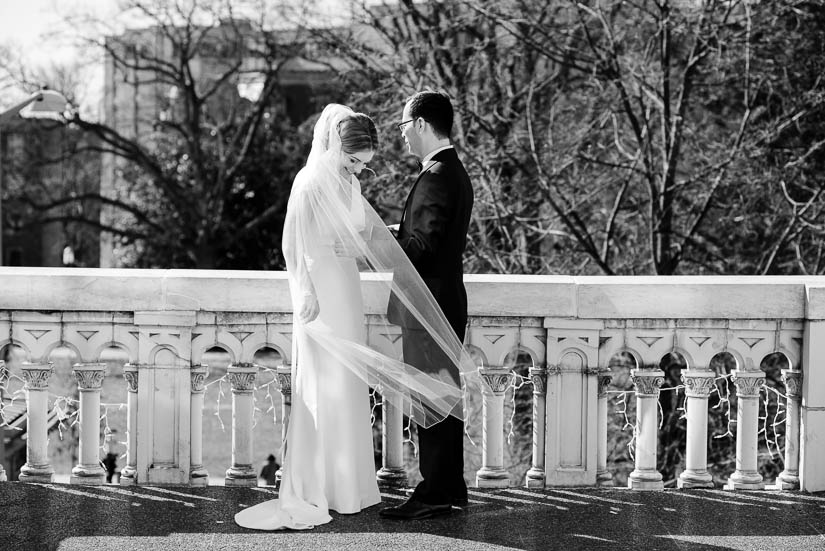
(284, 376)
(698, 386)
(535, 476)
(128, 476)
(89, 383)
(647, 383)
(603, 476)
(37, 467)
(746, 476)
(198, 475)
(242, 472)
(4, 378)
(392, 473)
(492, 473)
(788, 479)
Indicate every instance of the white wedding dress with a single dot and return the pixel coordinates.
(328, 460)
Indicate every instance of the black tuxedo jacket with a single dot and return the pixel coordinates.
(433, 234)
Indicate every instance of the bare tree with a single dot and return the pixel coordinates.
(198, 151)
(603, 137)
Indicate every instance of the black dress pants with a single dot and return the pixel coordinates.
(441, 463)
(441, 446)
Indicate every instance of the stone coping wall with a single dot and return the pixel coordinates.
(594, 297)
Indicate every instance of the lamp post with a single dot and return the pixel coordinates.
(43, 104)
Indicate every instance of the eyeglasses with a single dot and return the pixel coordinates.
(401, 124)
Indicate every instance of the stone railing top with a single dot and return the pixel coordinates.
(618, 297)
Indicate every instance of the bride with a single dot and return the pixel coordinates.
(330, 230)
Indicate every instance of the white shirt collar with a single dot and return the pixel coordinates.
(433, 153)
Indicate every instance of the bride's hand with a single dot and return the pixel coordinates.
(309, 309)
(346, 249)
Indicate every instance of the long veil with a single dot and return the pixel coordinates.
(326, 208)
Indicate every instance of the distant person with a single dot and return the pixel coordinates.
(270, 471)
(110, 461)
(110, 464)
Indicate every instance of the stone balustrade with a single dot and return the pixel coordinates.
(571, 329)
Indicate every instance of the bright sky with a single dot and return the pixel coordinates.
(39, 35)
(24, 21)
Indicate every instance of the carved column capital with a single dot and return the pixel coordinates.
(37, 375)
(698, 383)
(604, 381)
(89, 376)
(284, 376)
(497, 379)
(748, 383)
(647, 381)
(197, 377)
(242, 377)
(130, 373)
(793, 383)
(538, 376)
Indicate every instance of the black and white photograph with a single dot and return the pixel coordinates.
(404, 275)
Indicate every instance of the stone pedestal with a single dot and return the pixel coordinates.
(128, 476)
(698, 386)
(37, 467)
(645, 476)
(492, 473)
(603, 476)
(392, 473)
(789, 478)
(747, 476)
(284, 377)
(164, 392)
(198, 475)
(242, 472)
(812, 411)
(89, 382)
(535, 476)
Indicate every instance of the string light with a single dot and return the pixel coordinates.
(522, 380)
(217, 413)
(723, 400)
(269, 397)
(376, 403)
(780, 409)
(408, 433)
(621, 401)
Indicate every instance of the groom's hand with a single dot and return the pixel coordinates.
(309, 309)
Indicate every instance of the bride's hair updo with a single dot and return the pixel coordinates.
(358, 133)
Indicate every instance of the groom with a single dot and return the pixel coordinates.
(433, 234)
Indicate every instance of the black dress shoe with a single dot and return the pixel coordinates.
(415, 510)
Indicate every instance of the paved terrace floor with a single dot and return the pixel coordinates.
(59, 516)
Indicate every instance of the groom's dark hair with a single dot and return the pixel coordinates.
(435, 108)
